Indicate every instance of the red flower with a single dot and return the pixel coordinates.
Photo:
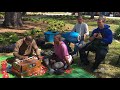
(68, 71)
(5, 75)
(3, 65)
(3, 71)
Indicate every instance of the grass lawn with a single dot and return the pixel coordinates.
(111, 69)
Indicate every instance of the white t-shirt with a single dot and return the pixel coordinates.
(81, 29)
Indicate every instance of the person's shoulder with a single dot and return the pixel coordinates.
(107, 27)
(62, 44)
(108, 30)
(20, 41)
(76, 24)
(34, 42)
(84, 23)
(95, 29)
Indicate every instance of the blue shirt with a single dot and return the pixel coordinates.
(106, 34)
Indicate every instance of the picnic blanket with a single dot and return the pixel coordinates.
(76, 72)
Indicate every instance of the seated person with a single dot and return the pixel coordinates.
(99, 40)
(25, 48)
(61, 58)
(82, 29)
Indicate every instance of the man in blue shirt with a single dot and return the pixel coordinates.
(100, 38)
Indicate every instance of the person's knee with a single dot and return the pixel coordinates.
(102, 54)
(46, 62)
(58, 65)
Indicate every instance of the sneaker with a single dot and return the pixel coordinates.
(86, 63)
(59, 71)
(93, 70)
(101, 70)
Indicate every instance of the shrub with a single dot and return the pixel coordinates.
(34, 32)
(112, 21)
(117, 33)
(55, 25)
(8, 38)
(13, 38)
(2, 14)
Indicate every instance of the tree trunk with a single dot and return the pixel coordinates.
(13, 19)
(7, 20)
(19, 19)
(24, 13)
(73, 13)
(92, 15)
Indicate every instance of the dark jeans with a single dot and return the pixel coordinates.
(100, 54)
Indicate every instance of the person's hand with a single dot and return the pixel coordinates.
(95, 35)
(80, 46)
(52, 61)
(25, 57)
(99, 36)
(40, 57)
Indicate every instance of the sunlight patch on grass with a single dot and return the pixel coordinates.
(113, 27)
(114, 52)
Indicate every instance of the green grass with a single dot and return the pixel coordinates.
(114, 52)
(113, 27)
(77, 72)
(92, 23)
(114, 48)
